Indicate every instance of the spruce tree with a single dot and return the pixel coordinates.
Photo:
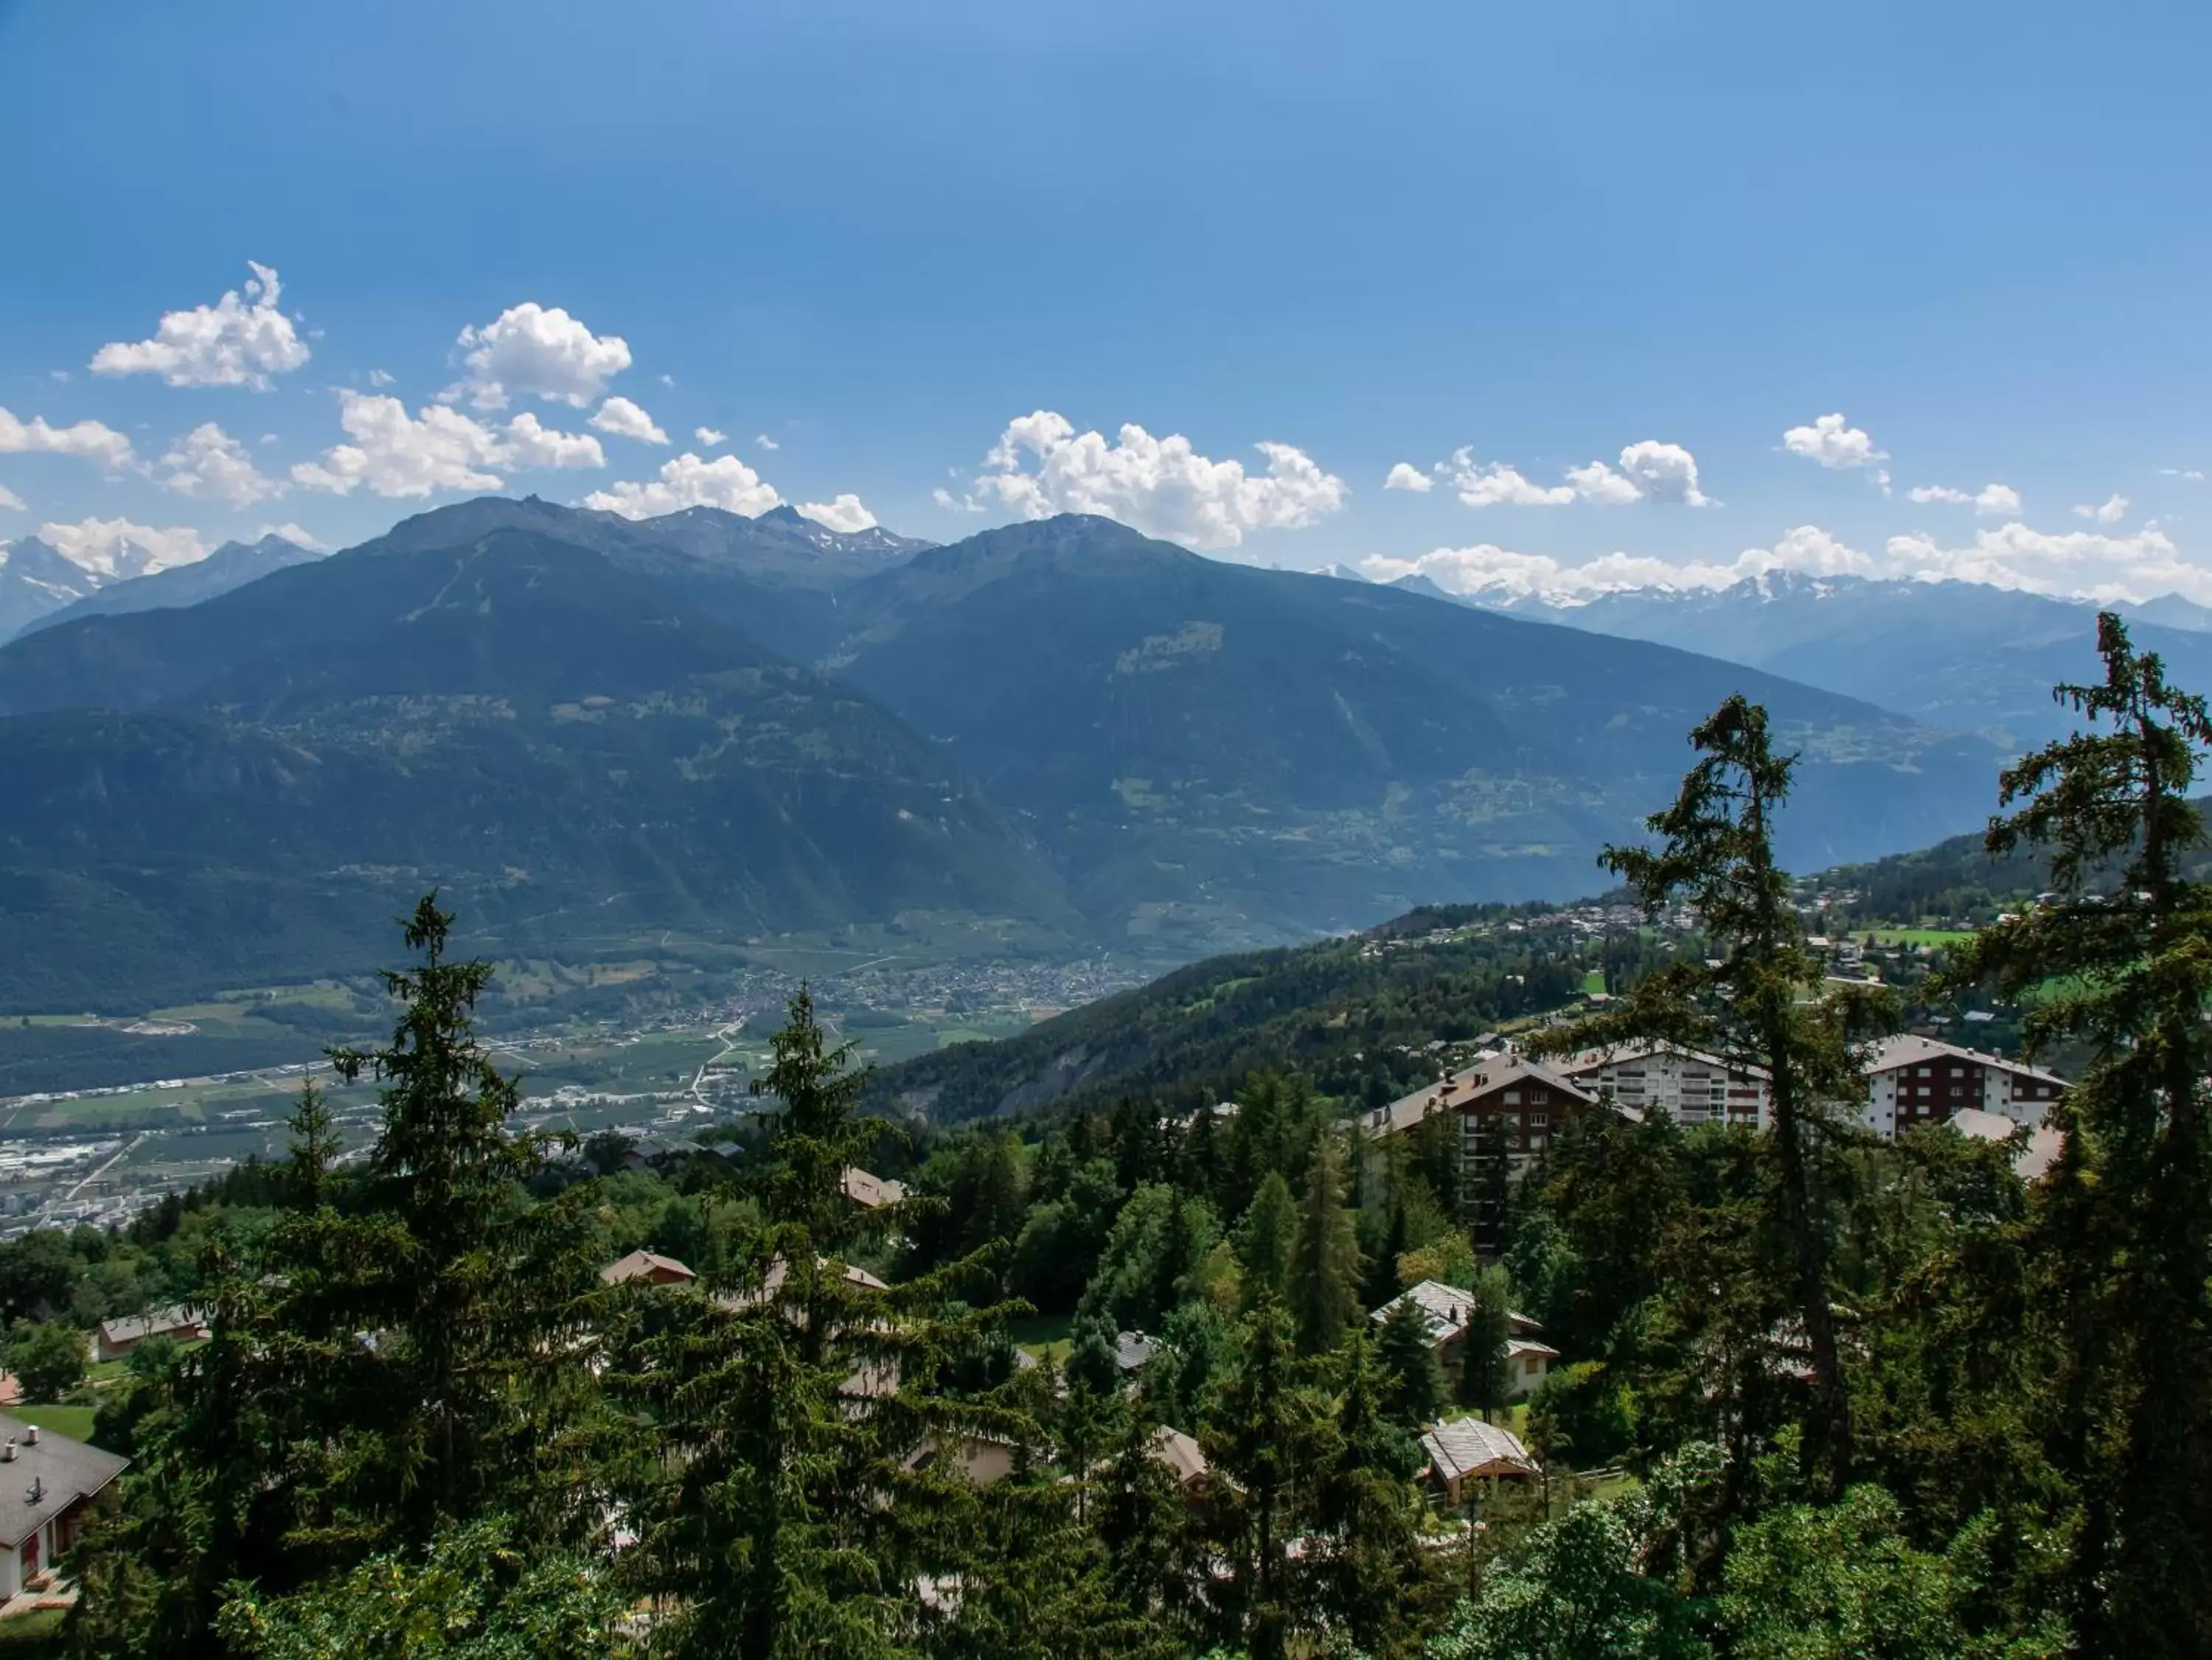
(1759, 1007)
(1411, 1385)
(1267, 1238)
(2121, 966)
(1325, 1265)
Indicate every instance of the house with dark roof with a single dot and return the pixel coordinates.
(47, 1481)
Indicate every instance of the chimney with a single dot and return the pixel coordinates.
(31, 1435)
(38, 1489)
(7, 1452)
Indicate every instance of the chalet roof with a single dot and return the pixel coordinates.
(41, 1481)
(1516, 1348)
(2043, 1144)
(1180, 1454)
(870, 1192)
(1470, 1084)
(1589, 1062)
(1910, 1050)
(160, 1323)
(1134, 1351)
(1446, 1308)
(642, 1264)
(1468, 1447)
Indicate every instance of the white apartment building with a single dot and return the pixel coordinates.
(1916, 1081)
(1693, 1087)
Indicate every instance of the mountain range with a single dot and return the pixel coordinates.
(589, 730)
(40, 584)
(1960, 655)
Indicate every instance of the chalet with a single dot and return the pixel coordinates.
(114, 1339)
(47, 1483)
(1467, 1451)
(645, 1266)
(1913, 1080)
(2031, 1164)
(1449, 1311)
(1133, 1352)
(1504, 1104)
(870, 1192)
(1691, 1086)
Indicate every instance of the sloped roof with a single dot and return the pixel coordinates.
(158, 1324)
(642, 1264)
(1181, 1454)
(1589, 1061)
(1468, 1446)
(1446, 1308)
(1909, 1050)
(42, 1482)
(870, 1192)
(1470, 1084)
(1134, 1351)
(2044, 1143)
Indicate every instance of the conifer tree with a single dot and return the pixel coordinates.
(1261, 1435)
(1267, 1238)
(2121, 964)
(1412, 1386)
(1756, 1009)
(1483, 1377)
(1367, 1517)
(1325, 1265)
(796, 1497)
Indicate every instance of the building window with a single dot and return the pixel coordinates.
(1512, 1098)
(1537, 1120)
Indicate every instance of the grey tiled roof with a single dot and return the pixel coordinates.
(57, 1471)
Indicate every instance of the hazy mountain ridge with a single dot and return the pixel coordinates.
(594, 725)
(233, 565)
(1963, 655)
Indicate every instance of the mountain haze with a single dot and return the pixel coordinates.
(591, 730)
(233, 565)
(1960, 655)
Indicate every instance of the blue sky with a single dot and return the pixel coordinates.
(879, 235)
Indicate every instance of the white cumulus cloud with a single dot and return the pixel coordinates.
(2078, 564)
(844, 513)
(11, 500)
(963, 504)
(1664, 472)
(1490, 572)
(533, 350)
(438, 448)
(624, 419)
(237, 342)
(90, 441)
(116, 547)
(2193, 475)
(1833, 442)
(209, 462)
(1407, 477)
(527, 442)
(688, 482)
(1041, 465)
(710, 438)
(764, 441)
(2111, 511)
(1490, 484)
(1647, 471)
(1989, 501)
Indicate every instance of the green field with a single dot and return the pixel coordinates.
(1937, 936)
(76, 1422)
(1593, 982)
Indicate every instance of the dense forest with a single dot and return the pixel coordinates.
(1819, 1395)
